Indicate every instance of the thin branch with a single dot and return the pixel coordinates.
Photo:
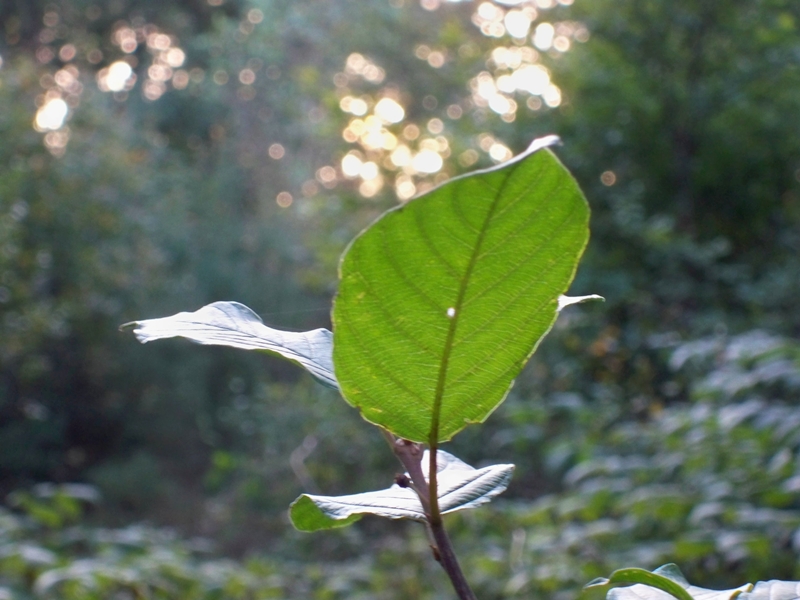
(449, 562)
(410, 455)
(433, 485)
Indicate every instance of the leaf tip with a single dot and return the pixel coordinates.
(564, 301)
(596, 582)
(307, 516)
(543, 142)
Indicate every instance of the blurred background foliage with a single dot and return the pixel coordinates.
(157, 156)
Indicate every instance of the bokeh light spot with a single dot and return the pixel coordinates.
(552, 96)
(404, 187)
(180, 80)
(454, 111)
(368, 170)
(276, 151)
(67, 52)
(427, 161)
(468, 158)
(436, 59)
(389, 110)
(116, 78)
(411, 132)
(174, 57)
(326, 176)
(543, 36)
(435, 126)
(608, 178)
(247, 76)
(500, 152)
(517, 23)
(51, 116)
(351, 165)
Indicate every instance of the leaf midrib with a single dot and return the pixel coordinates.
(557, 231)
(433, 436)
(233, 330)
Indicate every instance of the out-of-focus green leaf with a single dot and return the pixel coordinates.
(444, 299)
(662, 584)
(644, 585)
(235, 325)
(460, 486)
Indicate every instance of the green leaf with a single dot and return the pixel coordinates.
(664, 583)
(314, 513)
(233, 324)
(460, 486)
(443, 300)
(649, 586)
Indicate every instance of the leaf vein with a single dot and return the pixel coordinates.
(517, 267)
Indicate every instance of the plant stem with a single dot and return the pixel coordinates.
(449, 562)
(410, 455)
(435, 515)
